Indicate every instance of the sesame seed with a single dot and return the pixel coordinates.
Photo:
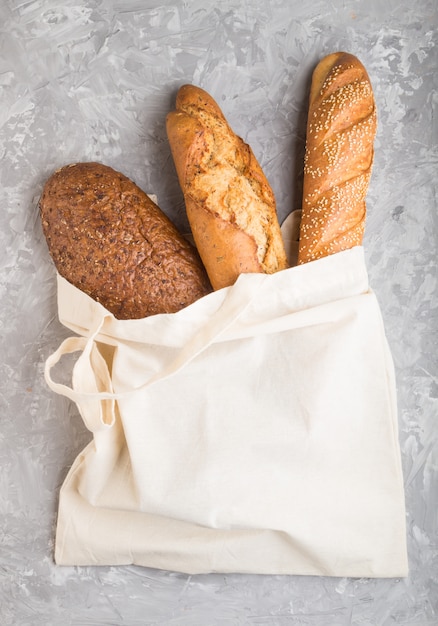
(337, 163)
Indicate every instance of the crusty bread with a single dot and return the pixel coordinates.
(339, 153)
(109, 239)
(229, 202)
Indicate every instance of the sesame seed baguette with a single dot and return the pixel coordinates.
(230, 205)
(341, 128)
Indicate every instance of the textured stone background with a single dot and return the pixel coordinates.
(94, 79)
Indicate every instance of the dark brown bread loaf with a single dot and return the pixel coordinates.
(109, 239)
(339, 155)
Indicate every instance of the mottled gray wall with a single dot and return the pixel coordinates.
(94, 79)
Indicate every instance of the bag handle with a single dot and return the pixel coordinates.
(91, 381)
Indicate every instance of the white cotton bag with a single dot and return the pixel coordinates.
(255, 431)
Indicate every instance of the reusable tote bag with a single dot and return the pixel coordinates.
(254, 431)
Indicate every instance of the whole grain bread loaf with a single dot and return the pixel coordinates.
(109, 239)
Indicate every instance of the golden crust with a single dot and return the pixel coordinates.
(339, 154)
(230, 205)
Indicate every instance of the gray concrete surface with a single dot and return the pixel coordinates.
(93, 80)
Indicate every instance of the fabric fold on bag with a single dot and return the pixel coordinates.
(254, 431)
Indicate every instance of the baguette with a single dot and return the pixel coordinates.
(339, 154)
(109, 239)
(230, 205)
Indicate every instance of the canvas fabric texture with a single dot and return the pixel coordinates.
(255, 431)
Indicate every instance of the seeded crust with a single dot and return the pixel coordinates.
(230, 204)
(109, 239)
(339, 154)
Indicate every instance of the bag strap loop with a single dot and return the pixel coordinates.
(91, 380)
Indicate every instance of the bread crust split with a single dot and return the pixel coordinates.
(339, 154)
(229, 202)
(109, 239)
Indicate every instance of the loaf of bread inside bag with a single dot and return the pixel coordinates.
(341, 128)
(109, 239)
(230, 205)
